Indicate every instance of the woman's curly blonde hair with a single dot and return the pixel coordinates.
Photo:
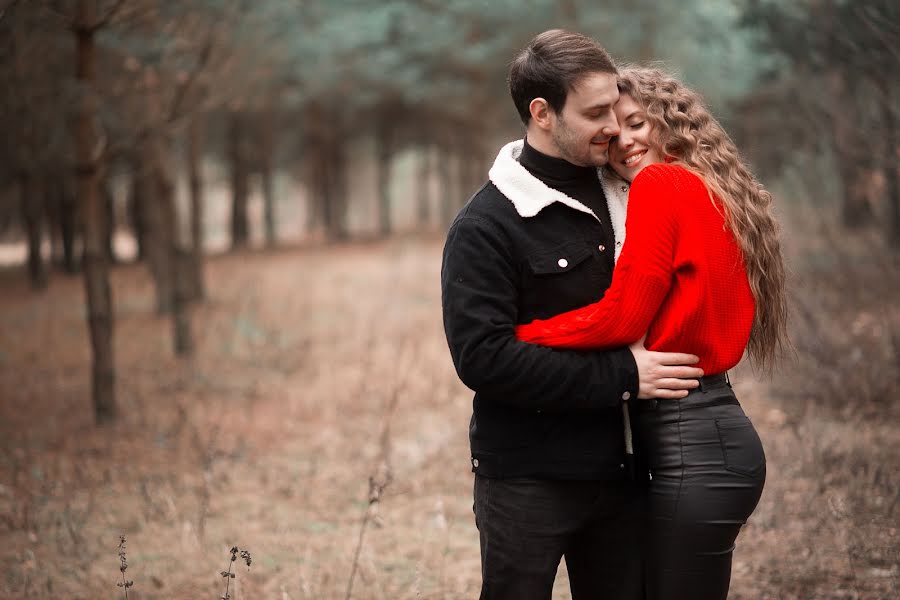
(685, 130)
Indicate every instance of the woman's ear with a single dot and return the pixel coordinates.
(541, 113)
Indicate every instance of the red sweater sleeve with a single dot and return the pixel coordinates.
(641, 279)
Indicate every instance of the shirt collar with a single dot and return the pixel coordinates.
(528, 194)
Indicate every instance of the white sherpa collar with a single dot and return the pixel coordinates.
(530, 195)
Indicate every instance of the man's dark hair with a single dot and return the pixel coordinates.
(551, 65)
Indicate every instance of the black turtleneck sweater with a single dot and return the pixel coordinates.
(579, 183)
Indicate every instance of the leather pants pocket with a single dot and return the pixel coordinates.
(741, 446)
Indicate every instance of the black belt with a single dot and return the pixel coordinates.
(715, 380)
(707, 384)
(692, 400)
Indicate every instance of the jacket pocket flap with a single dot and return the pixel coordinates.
(559, 260)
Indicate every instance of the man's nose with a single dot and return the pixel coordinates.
(611, 129)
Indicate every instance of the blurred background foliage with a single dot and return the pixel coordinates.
(156, 131)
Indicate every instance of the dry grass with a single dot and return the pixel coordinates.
(268, 438)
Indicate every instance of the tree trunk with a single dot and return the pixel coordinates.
(326, 167)
(155, 208)
(60, 224)
(96, 269)
(240, 188)
(155, 246)
(423, 185)
(169, 261)
(196, 288)
(176, 258)
(266, 174)
(68, 224)
(136, 200)
(328, 190)
(321, 206)
(318, 207)
(33, 217)
(182, 335)
(268, 189)
(472, 169)
(109, 222)
(892, 161)
(338, 189)
(449, 201)
(309, 174)
(856, 211)
(314, 216)
(384, 157)
(52, 210)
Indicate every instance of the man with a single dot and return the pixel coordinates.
(547, 428)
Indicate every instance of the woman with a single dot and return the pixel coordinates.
(700, 271)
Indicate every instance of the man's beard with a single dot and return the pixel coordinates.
(577, 152)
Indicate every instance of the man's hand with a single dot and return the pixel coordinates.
(665, 375)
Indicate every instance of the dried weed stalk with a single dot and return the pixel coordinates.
(228, 575)
(378, 481)
(123, 566)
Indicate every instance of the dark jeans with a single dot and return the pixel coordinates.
(708, 470)
(527, 525)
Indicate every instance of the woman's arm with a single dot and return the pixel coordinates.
(641, 279)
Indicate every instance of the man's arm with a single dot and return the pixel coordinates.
(480, 298)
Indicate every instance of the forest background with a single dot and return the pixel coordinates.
(220, 235)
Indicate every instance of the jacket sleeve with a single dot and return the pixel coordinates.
(641, 280)
(480, 300)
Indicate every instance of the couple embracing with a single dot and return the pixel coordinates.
(595, 293)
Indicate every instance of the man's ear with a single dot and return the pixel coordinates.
(541, 113)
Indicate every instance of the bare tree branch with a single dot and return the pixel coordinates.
(879, 31)
(203, 60)
(68, 20)
(110, 14)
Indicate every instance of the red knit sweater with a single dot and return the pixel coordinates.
(680, 278)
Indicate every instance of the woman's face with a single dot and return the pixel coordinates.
(632, 150)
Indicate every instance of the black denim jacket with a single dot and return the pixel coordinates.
(538, 412)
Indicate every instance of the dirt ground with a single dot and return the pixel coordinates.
(309, 363)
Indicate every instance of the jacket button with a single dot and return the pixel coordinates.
(563, 263)
(626, 395)
(601, 247)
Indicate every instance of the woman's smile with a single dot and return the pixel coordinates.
(633, 157)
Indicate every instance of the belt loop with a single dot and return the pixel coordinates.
(727, 379)
(701, 385)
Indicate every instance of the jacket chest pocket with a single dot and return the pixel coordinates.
(562, 278)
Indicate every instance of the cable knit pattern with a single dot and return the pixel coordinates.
(680, 278)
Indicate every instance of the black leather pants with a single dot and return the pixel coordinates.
(708, 470)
